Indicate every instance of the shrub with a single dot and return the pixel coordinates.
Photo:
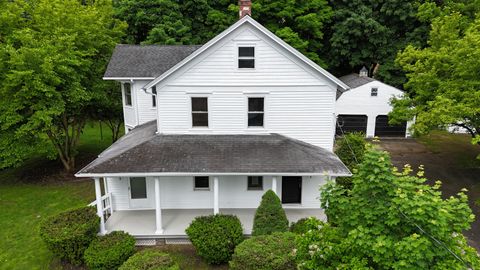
(215, 237)
(301, 226)
(351, 151)
(109, 251)
(69, 233)
(150, 259)
(273, 251)
(270, 216)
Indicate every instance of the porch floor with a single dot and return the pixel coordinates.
(141, 223)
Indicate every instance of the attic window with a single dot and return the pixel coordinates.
(127, 90)
(246, 57)
(374, 92)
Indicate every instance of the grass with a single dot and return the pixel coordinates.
(38, 189)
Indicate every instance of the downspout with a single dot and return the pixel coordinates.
(156, 107)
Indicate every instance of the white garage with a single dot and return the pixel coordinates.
(365, 107)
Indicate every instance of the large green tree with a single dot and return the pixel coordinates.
(388, 220)
(53, 54)
(443, 78)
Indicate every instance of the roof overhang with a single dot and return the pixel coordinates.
(128, 78)
(163, 174)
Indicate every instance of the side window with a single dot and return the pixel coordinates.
(138, 187)
(127, 90)
(255, 183)
(374, 92)
(154, 96)
(255, 112)
(246, 57)
(201, 182)
(199, 112)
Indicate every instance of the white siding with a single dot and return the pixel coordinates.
(359, 101)
(144, 103)
(179, 193)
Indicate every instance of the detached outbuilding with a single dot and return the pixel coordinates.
(365, 107)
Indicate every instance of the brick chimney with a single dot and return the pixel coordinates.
(245, 8)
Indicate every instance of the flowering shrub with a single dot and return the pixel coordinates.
(389, 220)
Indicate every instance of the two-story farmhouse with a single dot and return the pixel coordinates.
(211, 128)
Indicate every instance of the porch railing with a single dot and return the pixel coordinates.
(106, 205)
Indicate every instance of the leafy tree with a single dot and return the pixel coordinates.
(108, 107)
(351, 151)
(389, 220)
(443, 78)
(270, 216)
(52, 61)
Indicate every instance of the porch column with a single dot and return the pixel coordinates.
(274, 184)
(158, 208)
(215, 196)
(98, 195)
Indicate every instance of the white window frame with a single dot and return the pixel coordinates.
(201, 189)
(376, 91)
(264, 127)
(154, 97)
(237, 57)
(257, 189)
(124, 94)
(190, 115)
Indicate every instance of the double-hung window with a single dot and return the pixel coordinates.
(255, 111)
(374, 92)
(127, 90)
(255, 183)
(154, 96)
(246, 57)
(199, 112)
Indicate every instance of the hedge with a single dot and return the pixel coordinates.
(150, 259)
(270, 216)
(215, 237)
(301, 226)
(109, 251)
(69, 233)
(265, 252)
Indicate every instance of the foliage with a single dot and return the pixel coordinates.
(109, 108)
(150, 259)
(69, 233)
(264, 252)
(351, 151)
(53, 55)
(389, 220)
(109, 251)
(270, 216)
(442, 78)
(215, 237)
(301, 226)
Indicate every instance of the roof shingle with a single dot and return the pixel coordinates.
(354, 80)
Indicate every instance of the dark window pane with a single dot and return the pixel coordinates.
(200, 119)
(255, 182)
(199, 104)
(201, 182)
(255, 119)
(128, 94)
(154, 97)
(138, 188)
(255, 104)
(374, 92)
(246, 63)
(246, 51)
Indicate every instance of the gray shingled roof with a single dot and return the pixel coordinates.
(146, 61)
(353, 80)
(143, 151)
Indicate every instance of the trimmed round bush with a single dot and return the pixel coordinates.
(215, 237)
(301, 226)
(270, 216)
(68, 234)
(265, 252)
(150, 259)
(109, 251)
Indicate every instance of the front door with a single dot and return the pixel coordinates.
(291, 189)
(138, 192)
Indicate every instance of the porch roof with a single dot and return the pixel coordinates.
(143, 152)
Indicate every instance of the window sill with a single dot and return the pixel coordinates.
(254, 189)
(201, 189)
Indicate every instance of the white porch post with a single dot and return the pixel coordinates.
(215, 196)
(274, 184)
(98, 195)
(158, 208)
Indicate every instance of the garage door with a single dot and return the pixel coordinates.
(383, 129)
(351, 123)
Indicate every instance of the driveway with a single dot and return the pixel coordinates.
(448, 158)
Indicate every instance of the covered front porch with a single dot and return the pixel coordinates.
(141, 223)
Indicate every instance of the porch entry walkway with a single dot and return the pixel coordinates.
(141, 223)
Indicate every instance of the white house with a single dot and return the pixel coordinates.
(211, 128)
(365, 107)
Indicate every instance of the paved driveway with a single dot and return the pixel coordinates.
(447, 162)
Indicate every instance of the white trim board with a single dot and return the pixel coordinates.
(159, 174)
